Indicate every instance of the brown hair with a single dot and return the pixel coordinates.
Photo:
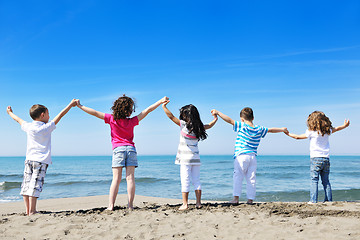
(123, 107)
(319, 122)
(247, 114)
(36, 111)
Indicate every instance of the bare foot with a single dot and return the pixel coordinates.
(234, 201)
(198, 206)
(30, 214)
(183, 207)
(250, 201)
(110, 209)
(130, 207)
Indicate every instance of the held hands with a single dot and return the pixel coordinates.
(73, 102)
(77, 102)
(9, 110)
(286, 131)
(214, 112)
(164, 100)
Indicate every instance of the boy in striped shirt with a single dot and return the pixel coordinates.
(247, 142)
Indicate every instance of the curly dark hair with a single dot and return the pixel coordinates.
(191, 116)
(123, 107)
(319, 122)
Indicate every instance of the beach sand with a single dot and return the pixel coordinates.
(158, 218)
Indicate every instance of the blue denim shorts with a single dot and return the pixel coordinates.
(124, 156)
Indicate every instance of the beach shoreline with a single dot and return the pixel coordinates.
(159, 218)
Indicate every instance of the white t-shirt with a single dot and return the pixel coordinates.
(319, 145)
(38, 140)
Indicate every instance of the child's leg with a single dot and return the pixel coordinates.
(185, 184)
(195, 176)
(324, 173)
(130, 180)
(32, 205)
(27, 204)
(185, 197)
(239, 167)
(114, 188)
(314, 175)
(34, 174)
(251, 179)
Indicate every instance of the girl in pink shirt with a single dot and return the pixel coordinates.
(122, 134)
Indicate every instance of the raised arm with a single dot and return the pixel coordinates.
(151, 108)
(277, 130)
(64, 111)
(13, 116)
(169, 114)
(345, 125)
(212, 123)
(223, 116)
(90, 111)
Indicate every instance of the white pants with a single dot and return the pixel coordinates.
(245, 166)
(190, 173)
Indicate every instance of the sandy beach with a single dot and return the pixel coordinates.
(158, 218)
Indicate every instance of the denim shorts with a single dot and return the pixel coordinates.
(124, 156)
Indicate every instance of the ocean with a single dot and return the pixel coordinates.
(279, 178)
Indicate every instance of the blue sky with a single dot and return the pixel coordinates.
(284, 59)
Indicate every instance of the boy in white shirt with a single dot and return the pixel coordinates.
(38, 151)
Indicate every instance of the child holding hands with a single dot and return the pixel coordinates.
(319, 130)
(247, 142)
(38, 152)
(122, 134)
(191, 131)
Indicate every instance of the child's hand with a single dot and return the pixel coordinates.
(214, 112)
(73, 102)
(286, 131)
(346, 122)
(165, 103)
(77, 101)
(9, 110)
(164, 99)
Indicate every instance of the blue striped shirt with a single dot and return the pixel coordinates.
(248, 138)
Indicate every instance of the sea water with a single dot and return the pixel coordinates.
(279, 178)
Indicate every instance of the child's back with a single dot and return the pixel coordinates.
(318, 132)
(38, 140)
(188, 151)
(246, 144)
(191, 131)
(319, 144)
(38, 151)
(248, 138)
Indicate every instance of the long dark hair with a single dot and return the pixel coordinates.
(191, 116)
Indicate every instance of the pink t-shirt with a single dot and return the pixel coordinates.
(122, 130)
